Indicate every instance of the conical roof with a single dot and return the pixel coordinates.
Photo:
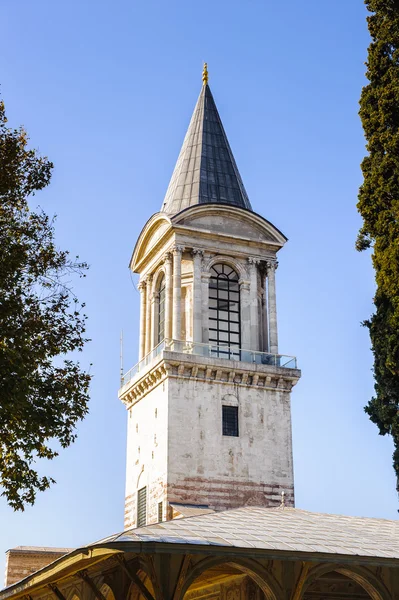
(206, 171)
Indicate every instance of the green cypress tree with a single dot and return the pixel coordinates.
(379, 207)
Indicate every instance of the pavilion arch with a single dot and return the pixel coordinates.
(360, 575)
(234, 263)
(265, 580)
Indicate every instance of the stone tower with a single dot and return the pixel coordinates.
(209, 417)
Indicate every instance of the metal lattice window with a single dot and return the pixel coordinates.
(142, 507)
(160, 512)
(230, 420)
(161, 311)
(224, 310)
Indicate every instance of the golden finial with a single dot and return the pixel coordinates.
(205, 76)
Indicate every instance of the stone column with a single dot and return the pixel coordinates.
(148, 315)
(205, 306)
(142, 290)
(176, 329)
(265, 328)
(254, 310)
(245, 316)
(197, 295)
(168, 296)
(271, 298)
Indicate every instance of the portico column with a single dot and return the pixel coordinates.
(176, 329)
(142, 290)
(271, 297)
(168, 296)
(205, 276)
(148, 315)
(245, 314)
(265, 328)
(254, 312)
(197, 295)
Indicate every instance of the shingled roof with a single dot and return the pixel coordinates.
(275, 529)
(206, 171)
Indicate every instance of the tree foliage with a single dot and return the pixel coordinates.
(379, 206)
(43, 391)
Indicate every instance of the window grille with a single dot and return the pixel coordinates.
(224, 311)
(230, 420)
(160, 512)
(142, 507)
(161, 310)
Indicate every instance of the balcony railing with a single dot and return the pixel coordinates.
(211, 351)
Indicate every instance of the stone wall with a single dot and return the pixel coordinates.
(146, 461)
(25, 560)
(222, 472)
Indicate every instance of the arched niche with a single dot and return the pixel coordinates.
(238, 579)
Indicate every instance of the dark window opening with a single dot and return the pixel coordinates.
(230, 420)
(161, 311)
(160, 512)
(142, 507)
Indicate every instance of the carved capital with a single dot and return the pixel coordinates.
(197, 252)
(168, 256)
(271, 264)
(142, 285)
(148, 280)
(253, 261)
(177, 249)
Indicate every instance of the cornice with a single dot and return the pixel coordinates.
(176, 365)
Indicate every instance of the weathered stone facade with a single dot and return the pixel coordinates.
(176, 447)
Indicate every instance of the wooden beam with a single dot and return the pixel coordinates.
(298, 590)
(185, 565)
(149, 562)
(56, 591)
(96, 591)
(134, 578)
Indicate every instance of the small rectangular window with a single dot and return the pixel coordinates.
(230, 420)
(142, 507)
(160, 512)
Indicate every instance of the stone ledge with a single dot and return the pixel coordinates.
(216, 370)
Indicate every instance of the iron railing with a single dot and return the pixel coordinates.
(212, 351)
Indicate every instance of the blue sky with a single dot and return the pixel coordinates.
(106, 90)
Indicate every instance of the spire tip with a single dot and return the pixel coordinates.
(205, 75)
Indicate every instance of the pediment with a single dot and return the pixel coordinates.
(230, 221)
(154, 230)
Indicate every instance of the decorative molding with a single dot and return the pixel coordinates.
(244, 284)
(231, 374)
(197, 252)
(178, 249)
(253, 261)
(142, 284)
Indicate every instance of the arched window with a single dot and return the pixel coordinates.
(224, 309)
(161, 310)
